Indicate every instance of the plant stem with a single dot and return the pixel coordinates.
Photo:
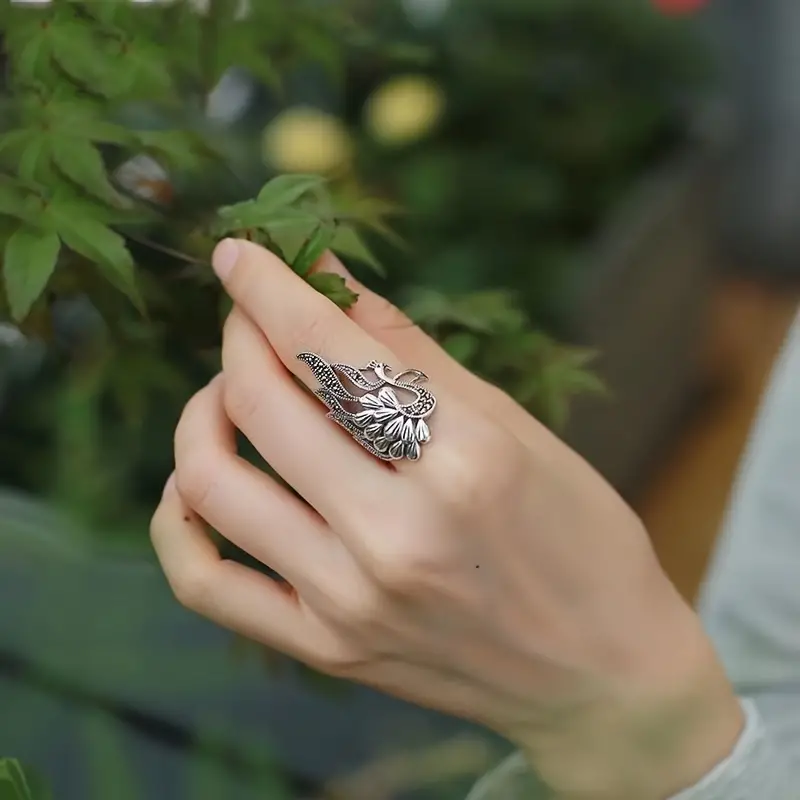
(169, 251)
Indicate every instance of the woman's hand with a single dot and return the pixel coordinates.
(498, 578)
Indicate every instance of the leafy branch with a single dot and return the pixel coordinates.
(13, 782)
(69, 84)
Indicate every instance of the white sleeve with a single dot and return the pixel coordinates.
(750, 602)
(753, 771)
(750, 605)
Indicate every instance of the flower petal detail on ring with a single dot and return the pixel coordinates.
(370, 401)
(363, 418)
(388, 397)
(413, 451)
(409, 434)
(385, 414)
(394, 428)
(373, 431)
(397, 450)
(382, 444)
(423, 432)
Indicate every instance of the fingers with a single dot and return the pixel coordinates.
(289, 427)
(226, 592)
(390, 326)
(293, 316)
(246, 506)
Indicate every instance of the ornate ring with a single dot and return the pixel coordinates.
(386, 414)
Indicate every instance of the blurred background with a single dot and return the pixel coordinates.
(597, 210)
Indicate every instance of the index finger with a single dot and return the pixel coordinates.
(294, 317)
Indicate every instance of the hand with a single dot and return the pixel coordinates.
(498, 578)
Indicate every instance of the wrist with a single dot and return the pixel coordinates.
(657, 734)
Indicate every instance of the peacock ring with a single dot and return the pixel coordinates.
(386, 414)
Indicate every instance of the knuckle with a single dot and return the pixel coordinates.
(195, 478)
(402, 567)
(192, 587)
(184, 432)
(387, 314)
(242, 400)
(313, 331)
(356, 607)
(483, 467)
(338, 660)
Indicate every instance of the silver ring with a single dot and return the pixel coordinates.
(386, 414)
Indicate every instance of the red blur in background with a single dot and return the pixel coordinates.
(679, 6)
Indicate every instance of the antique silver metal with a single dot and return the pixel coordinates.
(386, 414)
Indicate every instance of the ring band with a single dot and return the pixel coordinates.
(386, 414)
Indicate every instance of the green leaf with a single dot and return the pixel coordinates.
(313, 249)
(461, 346)
(251, 214)
(82, 163)
(13, 784)
(348, 242)
(28, 61)
(259, 64)
(98, 243)
(105, 132)
(334, 288)
(34, 163)
(286, 190)
(73, 116)
(488, 311)
(147, 67)
(15, 140)
(82, 54)
(353, 204)
(28, 262)
(14, 202)
(179, 148)
(290, 240)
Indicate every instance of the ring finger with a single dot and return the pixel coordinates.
(245, 505)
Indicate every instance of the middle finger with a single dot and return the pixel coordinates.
(289, 429)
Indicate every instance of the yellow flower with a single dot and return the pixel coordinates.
(404, 109)
(304, 139)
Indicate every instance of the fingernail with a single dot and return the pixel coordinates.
(224, 258)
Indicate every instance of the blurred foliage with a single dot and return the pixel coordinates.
(533, 120)
(13, 784)
(116, 182)
(105, 255)
(21, 783)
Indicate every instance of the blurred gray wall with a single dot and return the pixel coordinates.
(758, 43)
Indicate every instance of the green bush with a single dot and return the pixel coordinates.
(551, 110)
